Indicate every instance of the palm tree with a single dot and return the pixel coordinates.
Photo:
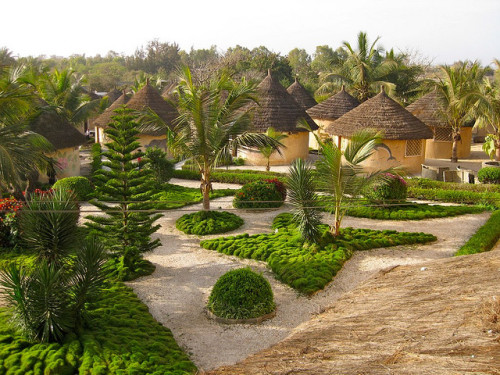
(267, 151)
(214, 119)
(461, 98)
(363, 71)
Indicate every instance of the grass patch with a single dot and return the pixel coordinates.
(410, 211)
(175, 196)
(208, 222)
(485, 238)
(308, 267)
(231, 176)
(123, 339)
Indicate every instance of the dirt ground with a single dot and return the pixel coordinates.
(422, 319)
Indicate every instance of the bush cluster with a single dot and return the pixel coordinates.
(156, 160)
(308, 267)
(485, 238)
(456, 196)
(233, 176)
(489, 175)
(410, 211)
(280, 186)
(78, 185)
(241, 294)
(208, 222)
(392, 188)
(258, 194)
(9, 226)
(425, 183)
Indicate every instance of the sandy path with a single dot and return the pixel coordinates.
(177, 291)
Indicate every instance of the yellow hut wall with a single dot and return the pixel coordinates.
(322, 124)
(296, 146)
(68, 161)
(442, 149)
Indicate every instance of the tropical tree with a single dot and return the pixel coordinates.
(214, 120)
(461, 98)
(267, 151)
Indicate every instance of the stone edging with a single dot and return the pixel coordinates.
(257, 320)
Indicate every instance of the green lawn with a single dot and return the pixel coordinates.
(175, 196)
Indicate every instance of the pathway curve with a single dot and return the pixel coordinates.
(177, 291)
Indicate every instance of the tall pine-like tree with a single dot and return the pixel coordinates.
(124, 191)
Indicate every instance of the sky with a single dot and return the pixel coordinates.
(439, 31)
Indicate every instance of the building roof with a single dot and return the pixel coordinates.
(334, 107)
(113, 95)
(301, 95)
(381, 113)
(278, 109)
(105, 118)
(428, 110)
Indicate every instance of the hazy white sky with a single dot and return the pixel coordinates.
(441, 30)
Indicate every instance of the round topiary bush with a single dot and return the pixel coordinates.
(208, 222)
(489, 175)
(391, 189)
(241, 294)
(258, 194)
(79, 185)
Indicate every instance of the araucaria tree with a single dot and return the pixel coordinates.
(124, 190)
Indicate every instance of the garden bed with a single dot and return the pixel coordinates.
(176, 196)
(485, 238)
(208, 222)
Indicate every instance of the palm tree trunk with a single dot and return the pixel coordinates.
(454, 149)
(205, 187)
(268, 167)
(497, 150)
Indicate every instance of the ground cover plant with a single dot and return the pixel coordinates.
(208, 222)
(489, 175)
(231, 176)
(408, 211)
(308, 267)
(78, 185)
(241, 294)
(258, 194)
(175, 196)
(485, 238)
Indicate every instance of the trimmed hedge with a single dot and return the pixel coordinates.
(231, 176)
(411, 211)
(79, 185)
(456, 196)
(392, 188)
(208, 222)
(176, 196)
(489, 175)
(308, 267)
(485, 238)
(123, 338)
(426, 183)
(258, 194)
(241, 294)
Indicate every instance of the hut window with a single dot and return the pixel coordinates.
(413, 147)
(442, 134)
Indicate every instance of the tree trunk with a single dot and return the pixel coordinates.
(205, 188)
(497, 150)
(268, 167)
(454, 149)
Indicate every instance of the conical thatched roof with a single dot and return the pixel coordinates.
(105, 118)
(334, 107)
(381, 113)
(278, 109)
(57, 130)
(113, 95)
(301, 96)
(149, 97)
(428, 109)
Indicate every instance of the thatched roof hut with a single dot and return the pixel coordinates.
(278, 109)
(105, 118)
(334, 107)
(113, 95)
(301, 95)
(381, 113)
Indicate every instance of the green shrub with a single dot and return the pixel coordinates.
(258, 194)
(208, 222)
(9, 222)
(456, 196)
(241, 294)
(392, 188)
(489, 175)
(96, 155)
(78, 185)
(163, 169)
(239, 161)
(485, 238)
(280, 186)
(425, 183)
(304, 266)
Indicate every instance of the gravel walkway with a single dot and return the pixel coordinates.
(177, 291)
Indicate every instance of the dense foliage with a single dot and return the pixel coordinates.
(125, 192)
(424, 183)
(176, 196)
(241, 294)
(9, 227)
(489, 175)
(485, 238)
(208, 222)
(258, 194)
(96, 156)
(80, 186)
(304, 266)
(390, 189)
(156, 160)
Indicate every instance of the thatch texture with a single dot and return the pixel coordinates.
(105, 118)
(278, 109)
(381, 113)
(301, 96)
(57, 130)
(113, 95)
(334, 107)
(428, 109)
(149, 97)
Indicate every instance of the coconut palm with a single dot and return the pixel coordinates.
(461, 98)
(213, 121)
(267, 151)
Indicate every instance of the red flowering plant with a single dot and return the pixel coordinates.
(280, 186)
(9, 230)
(391, 188)
(258, 194)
